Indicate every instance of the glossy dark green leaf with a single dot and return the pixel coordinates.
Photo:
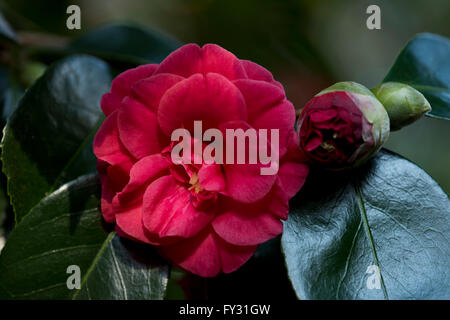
(6, 31)
(389, 215)
(128, 43)
(2, 221)
(5, 93)
(48, 138)
(64, 229)
(425, 65)
(125, 271)
(10, 94)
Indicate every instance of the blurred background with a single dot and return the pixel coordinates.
(307, 44)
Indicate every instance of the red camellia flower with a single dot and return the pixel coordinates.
(205, 218)
(342, 126)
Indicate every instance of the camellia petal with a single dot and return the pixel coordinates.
(168, 211)
(211, 177)
(110, 102)
(207, 255)
(107, 145)
(191, 59)
(293, 176)
(245, 183)
(139, 130)
(218, 60)
(246, 225)
(149, 91)
(233, 257)
(210, 98)
(143, 173)
(256, 72)
(121, 86)
(260, 96)
(113, 179)
(280, 117)
(130, 223)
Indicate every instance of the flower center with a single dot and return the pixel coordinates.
(195, 183)
(328, 147)
(200, 198)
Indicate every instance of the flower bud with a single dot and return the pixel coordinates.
(342, 126)
(403, 103)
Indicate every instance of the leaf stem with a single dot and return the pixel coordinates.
(94, 263)
(369, 235)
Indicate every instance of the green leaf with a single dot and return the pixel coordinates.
(127, 43)
(48, 139)
(2, 222)
(66, 228)
(10, 93)
(6, 32)
(388, 214)
(425, 65)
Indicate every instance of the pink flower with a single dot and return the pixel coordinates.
(205, 218)
(342, 126)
